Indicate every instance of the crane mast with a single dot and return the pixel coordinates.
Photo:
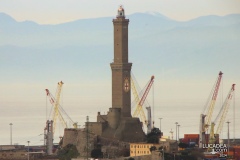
(57, 113)
(58, 110)
(213, 101)
(146, 91)
(139, 110)
(221, 115)
(205, 118)
(135, 93)
(55, 103)
(225, 110)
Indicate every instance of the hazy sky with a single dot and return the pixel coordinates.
(58, 11)
(19, 98)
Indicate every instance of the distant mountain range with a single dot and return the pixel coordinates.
(200, 46)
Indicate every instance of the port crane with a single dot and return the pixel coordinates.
(139, 107)
(58, 111)
(206, 115)
(221, 116)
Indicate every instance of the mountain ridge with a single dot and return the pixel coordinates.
(30, 33)
(4, 16)
(193, 46)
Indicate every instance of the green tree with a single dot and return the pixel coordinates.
(153, 136)
(68, 152)
(153, 148)
(160, 148)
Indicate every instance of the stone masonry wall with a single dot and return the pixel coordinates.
(78, 137)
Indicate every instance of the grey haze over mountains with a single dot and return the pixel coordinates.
(203, 46)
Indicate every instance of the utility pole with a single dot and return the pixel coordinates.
(228, 137)
(171, 133)
(10, 133)
(87, 133)
(28, 149)
(234, 117)
(176, 130)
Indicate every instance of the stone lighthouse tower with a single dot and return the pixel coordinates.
(118, 123)
(121, 68)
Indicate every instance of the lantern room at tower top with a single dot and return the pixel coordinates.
(121, 11)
